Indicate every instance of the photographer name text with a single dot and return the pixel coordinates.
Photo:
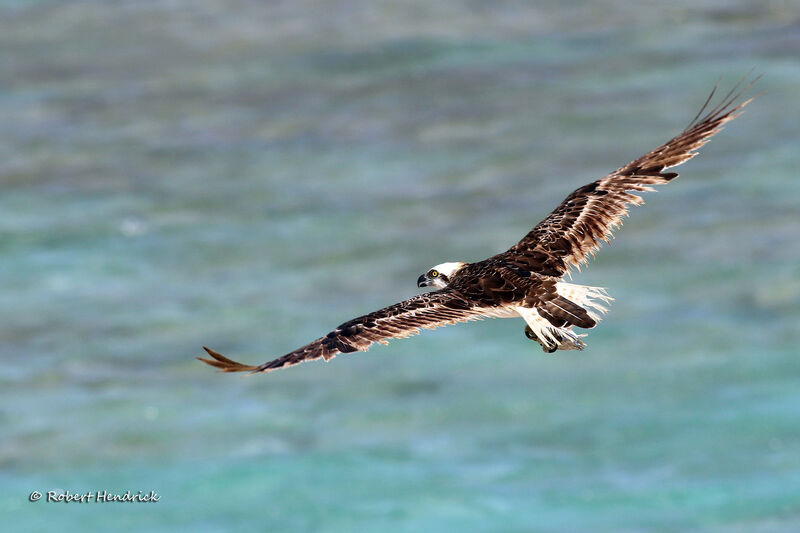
(99, 496)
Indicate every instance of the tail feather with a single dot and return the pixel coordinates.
(569, 312)
(587, 297)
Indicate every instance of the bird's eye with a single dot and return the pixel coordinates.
(434, 274)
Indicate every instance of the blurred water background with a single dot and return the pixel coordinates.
(248, 175)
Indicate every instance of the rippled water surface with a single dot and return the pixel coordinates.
(247, 175)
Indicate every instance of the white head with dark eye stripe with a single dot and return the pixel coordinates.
(440, 275)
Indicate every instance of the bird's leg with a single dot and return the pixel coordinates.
(547, 348)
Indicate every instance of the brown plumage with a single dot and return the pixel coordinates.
(588, 215)
(524, 280)
(403, 319)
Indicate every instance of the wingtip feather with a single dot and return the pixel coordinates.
(223, 364)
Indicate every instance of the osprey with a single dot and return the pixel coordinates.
(526, 280)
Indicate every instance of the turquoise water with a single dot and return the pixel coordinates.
(249, 175)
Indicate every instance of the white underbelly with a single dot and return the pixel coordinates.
(502, 312)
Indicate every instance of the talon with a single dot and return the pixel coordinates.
(547, 348)
(530, 335)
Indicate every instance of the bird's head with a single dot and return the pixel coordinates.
(440, 275)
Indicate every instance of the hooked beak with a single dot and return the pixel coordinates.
(422, 281)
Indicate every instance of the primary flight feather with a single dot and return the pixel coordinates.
(526, 280)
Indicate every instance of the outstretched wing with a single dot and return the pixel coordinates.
(588, 215)
(403, 319)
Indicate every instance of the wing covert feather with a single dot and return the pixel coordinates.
(429, 310)
(575, 229)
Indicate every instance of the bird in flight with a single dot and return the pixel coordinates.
(526, 280)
